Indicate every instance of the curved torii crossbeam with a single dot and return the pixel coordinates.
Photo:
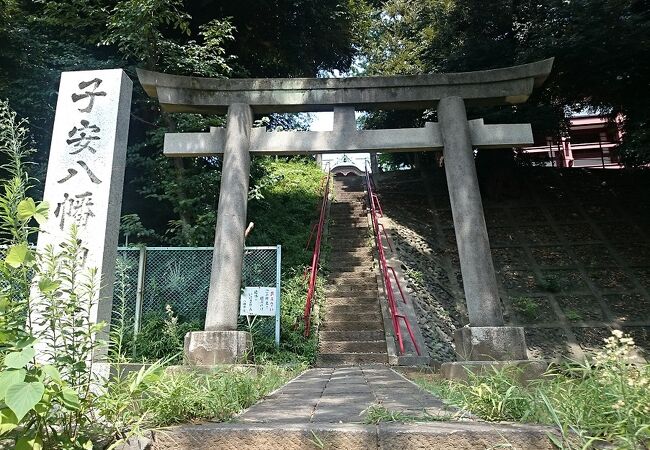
(208, 95)
(486, 338)
(509, 85)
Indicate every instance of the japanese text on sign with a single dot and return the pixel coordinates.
(257, 301)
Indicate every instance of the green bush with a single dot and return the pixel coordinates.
(45, 402)
(160, 337)
(527, 307)
(604, 400)
(184, 397)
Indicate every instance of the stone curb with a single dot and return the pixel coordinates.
(394, 436)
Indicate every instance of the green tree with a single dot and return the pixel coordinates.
(600, 47)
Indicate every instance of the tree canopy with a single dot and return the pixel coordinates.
(602, 53)
(602, 56)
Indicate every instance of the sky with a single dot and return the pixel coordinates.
(323, 121)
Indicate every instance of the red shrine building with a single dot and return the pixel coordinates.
(591, 143)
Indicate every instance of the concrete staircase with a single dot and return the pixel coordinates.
(352, 330)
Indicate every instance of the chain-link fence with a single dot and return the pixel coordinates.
(262, 268)
(150, 280)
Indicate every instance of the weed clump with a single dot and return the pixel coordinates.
(604, 400)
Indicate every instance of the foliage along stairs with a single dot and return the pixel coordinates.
(364, 405)
(352, 330)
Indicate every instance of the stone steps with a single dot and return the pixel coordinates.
(351, 262)
(352, 325)
(350, 335)
(359, 238)
(352, 346)
(357, 244)
(349, 289)
(347, 248)
(365, 280)
(351, 195)
(348, 308)
(360, 302)
(356, 269)
(355, 254)
(345, 223)
(364, 290)
(345, 359)
(351, 436)
(334, 315)
(351, 332)
(360, 228)
(356, 276)
(349, 216)
(347, 206)
(351, 212)
(353, 230)
(364, 283)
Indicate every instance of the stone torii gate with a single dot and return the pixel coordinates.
(486, 338)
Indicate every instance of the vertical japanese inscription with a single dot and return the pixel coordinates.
(84, 139)
(85, 171)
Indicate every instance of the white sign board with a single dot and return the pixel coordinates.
(258, 301)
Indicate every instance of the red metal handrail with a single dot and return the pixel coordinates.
(390, 247)
(375, 210)
(317, 231)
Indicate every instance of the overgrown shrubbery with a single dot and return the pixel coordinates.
(177, 397)
(50, 396)
(605, 400)
(44, 401)
(283, 206)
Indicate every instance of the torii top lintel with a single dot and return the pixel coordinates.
(508, 85)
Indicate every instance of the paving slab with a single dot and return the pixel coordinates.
(326, 408)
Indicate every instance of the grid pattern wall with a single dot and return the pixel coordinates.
(571, 250)
(180, 278)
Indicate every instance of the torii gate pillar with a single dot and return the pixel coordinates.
(486, 338)
(221, 342)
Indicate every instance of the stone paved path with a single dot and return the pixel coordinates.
(322, 409)
(341, 395)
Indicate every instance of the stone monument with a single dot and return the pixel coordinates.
(85, 172)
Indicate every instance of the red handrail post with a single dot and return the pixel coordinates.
(386, 236)
(311, 234)
(315, 260)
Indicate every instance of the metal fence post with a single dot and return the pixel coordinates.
(139, 295)
(278, 273)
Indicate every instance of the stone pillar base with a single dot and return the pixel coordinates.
(209, 348)
(490, 344)
(524, 370)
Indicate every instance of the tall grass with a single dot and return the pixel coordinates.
(155, 397)
(602, 401)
